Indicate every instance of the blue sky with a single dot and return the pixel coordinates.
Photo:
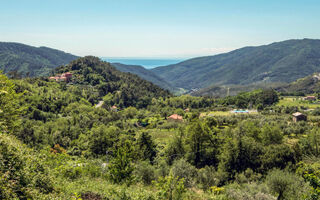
(163, 28)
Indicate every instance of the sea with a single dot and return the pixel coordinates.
(147, 63)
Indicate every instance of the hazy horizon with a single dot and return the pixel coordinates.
(147, 63)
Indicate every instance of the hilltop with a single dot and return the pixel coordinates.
(34, 61)
(124, 89)
(277, 62)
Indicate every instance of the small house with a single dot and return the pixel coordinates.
(114, 109)
(66, 77)
(187, 110)
(312, 98)
(299, 117)
(175, 118)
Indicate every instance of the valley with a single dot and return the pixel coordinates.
(100, 130)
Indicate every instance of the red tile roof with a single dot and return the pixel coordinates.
(175, 116)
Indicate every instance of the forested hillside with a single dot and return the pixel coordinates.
(278, 62)
(122, 89)
(144, 74)
(31, 61)
(306, 85)
(56, 143)
(232, 90)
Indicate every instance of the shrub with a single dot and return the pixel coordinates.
(284, 184)
(144, 172)
(206, 177)
(22, 174)
(251, 191)
(170, 188)
(120, 169)
(181, 169)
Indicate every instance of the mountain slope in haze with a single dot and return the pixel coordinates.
(306, 85)
(232, 90)
(144, 74)
(278, 62)
(36, 61)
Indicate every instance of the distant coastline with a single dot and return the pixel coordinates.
(147, 63)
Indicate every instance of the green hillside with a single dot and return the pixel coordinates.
(123, 89)
(55, 143)
(306, 85)
(36, 61)
(144, 74)
(278, 62)
(232, 90)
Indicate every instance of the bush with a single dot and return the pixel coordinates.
(120, 169)
(181, 169)
(144, 172)
(252, 191)
(162, 169)
(284, 184)
(22, 174)
(206, 177)
(170, 188)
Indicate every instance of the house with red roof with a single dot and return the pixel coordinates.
(114, 108)
(175, 118)
(63, 77)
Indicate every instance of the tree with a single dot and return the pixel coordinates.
(284, 184)
(267, 97)
(146, 147)
(170, 188)
(201, 144)
(271, 135)
(103, 138)
(8, 105)
(121, 168)
(311, 174)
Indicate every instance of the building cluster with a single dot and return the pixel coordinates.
(63, 77)
(310, 98)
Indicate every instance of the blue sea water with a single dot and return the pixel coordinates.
(147, 63)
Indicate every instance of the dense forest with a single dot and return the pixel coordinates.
(283, 61)
(145, 74)
(106, 134)
(306, 85)
(23, 60)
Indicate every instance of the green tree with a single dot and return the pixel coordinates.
(285, 184)
(170, 188)
(9, 109)
(103, 138)
(146, 147)
(121, 168)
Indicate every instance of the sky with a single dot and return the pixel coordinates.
(156, 29)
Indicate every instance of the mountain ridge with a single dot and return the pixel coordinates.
(34, 61)
(283, 61)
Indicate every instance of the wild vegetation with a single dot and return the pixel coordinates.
(56, 143)
(278, 62)
(21, 60)
(145, 74)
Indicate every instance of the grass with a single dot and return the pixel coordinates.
(293, 101)
(136, 191)
(224, 113)
(220, 113)
(103, 187)
(163, 136)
